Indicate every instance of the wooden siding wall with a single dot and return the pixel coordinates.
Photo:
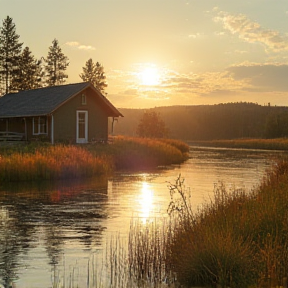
(65, 119)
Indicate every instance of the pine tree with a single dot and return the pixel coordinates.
(56, 64)
(94, 73)
(1, 86)
(10, 49)
(29, 73)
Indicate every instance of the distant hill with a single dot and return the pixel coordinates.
(210, 122)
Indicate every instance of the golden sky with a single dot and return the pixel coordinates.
(166, 52)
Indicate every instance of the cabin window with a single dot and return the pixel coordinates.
(39, 125)
(83, 99)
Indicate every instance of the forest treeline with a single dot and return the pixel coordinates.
(20, 70)
(211, 122)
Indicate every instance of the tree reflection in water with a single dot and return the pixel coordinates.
(14, 238)
(60, 213)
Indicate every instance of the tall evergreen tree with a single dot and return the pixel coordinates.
(29, 73)
(56, 64)
(94, 73)
(10, 49)
(1, 86)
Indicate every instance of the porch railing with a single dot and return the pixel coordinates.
(11, 136)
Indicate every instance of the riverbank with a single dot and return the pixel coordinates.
(265, 144)
(42, 161)
(237, 240)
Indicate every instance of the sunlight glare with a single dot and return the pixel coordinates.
(149, 76)
(146, 201)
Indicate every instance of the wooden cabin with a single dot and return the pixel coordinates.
(73, 113)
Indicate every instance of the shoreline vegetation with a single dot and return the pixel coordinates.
(239, 239)
(43, 161)
(263, 144)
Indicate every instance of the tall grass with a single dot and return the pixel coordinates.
(180, 145)
(147, 255)
(138, 262)
(238, 239)
(40, 161)
(52, 162)
(147, 153)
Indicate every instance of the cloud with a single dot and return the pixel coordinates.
(235, 80)
(84, 47)
(129, 92)
(72, 43)
(246, 82)
(219, 34)
(203, 84)
(262, 77)
(251, 82)
(196, 35)
(241, 51)
(252, 32)
(79, 46)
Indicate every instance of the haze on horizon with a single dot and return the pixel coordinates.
(166, 52)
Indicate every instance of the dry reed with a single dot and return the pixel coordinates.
(41, 161)
(236, 240)
(53, 162)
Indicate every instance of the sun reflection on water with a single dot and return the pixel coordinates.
(146, 201)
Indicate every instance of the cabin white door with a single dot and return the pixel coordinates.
(82, 127)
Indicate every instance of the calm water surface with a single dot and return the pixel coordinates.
(62, 224)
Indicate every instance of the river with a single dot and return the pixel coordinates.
(48, 225)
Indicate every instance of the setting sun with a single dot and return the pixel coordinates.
(149, 76)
